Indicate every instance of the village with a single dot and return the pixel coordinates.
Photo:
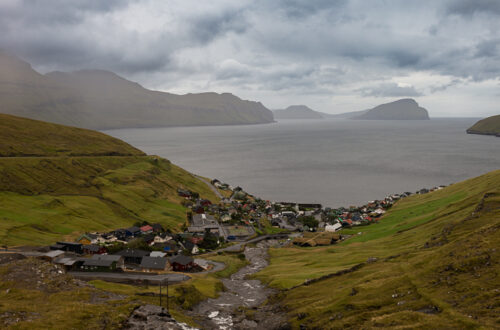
(210, 227)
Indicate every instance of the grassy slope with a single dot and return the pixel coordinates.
(490, 125)
(44, 199)
(438, 249)
(26, 137)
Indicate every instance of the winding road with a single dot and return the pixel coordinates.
(217, 192)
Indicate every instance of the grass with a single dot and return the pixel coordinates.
(267, 228)
(66, 181)
(233, 262)
(433, 264)
(490, 125)
(26, 137)
(46, 199)
(36, 302)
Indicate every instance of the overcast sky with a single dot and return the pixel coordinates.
(332, 55)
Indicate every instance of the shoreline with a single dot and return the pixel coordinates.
(469, 131)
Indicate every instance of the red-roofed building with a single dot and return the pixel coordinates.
(147, 229)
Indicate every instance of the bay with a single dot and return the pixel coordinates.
(334, 162)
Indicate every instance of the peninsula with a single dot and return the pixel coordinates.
(487, 126)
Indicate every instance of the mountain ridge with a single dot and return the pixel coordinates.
(100, 99)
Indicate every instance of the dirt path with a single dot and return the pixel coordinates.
(224, 312)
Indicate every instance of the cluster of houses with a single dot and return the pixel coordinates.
(240, 209)
(73, 256)
(159, 251)
(290, 216)
(150, 248)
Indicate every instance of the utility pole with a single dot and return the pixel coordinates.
(163, 309)
(168, 309)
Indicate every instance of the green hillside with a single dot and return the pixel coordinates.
(487, 126)
(53, 197)
(431, 262)
(26, 137)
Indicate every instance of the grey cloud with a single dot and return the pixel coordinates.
(443, 87)
(488, 48)
(390, 90)
(285, 46)
(471, 7)
(299, 9)
(206, 28)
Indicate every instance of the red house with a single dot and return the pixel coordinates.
(205, 202)
(147, 229)
(182, 263)
(94, 249)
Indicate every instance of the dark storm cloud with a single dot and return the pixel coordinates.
(206, 28)
(301, 47)
(59, 12)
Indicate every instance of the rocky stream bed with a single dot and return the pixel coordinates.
(240, 306)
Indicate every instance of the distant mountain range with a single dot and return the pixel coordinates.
(404, 109)
(486, 126)
(99, 99)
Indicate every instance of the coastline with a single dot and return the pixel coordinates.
(469, 131)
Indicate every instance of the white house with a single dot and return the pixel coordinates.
(334, 227)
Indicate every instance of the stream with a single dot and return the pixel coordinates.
(224, 312)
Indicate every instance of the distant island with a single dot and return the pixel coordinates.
(487, 126)
(298, 112)
(404, 109)
(98, 99)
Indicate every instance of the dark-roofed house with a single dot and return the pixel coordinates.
(94, 249)
(120, 234)
(181, 263)
(133, 256)
(99, 263)
(149, 238)
(69, 263)
(191, 247)
(132, 231)
(169, 247)
(154, 264)
(71, 247)
(56, 247)
(51, 255)
(157, 228)
(203, 222)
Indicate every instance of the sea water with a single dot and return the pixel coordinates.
(334, 162)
